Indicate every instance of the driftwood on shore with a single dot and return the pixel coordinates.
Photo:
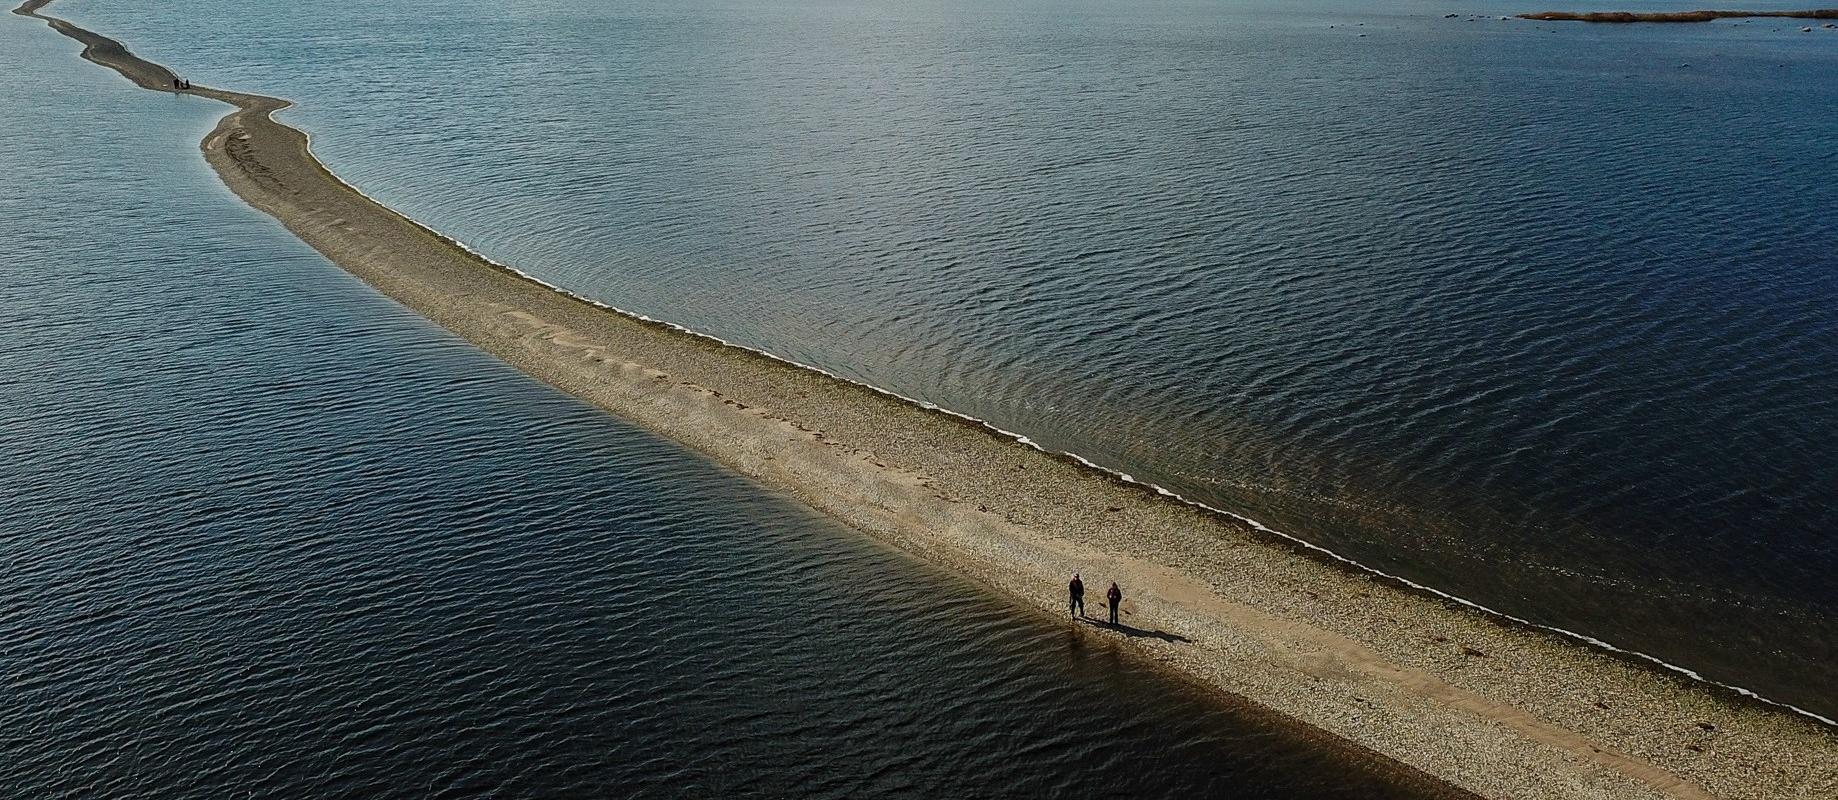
(1673, 16)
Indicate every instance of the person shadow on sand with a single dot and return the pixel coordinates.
(1114, 599)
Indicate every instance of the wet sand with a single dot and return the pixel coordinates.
(1467, 699)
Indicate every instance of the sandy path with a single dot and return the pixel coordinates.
(1428, 686)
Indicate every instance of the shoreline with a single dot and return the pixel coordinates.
(1493, 708)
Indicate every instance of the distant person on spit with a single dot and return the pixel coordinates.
(1077, 589)
(1115, 596)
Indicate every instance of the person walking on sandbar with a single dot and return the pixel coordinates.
(1077, 590)
(1115, 596)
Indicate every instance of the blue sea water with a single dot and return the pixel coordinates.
(265, 534)
(1540, 314)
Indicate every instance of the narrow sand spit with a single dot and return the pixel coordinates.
(1418, 683)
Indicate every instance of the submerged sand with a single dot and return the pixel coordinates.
(1470, 700)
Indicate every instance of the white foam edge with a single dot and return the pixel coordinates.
(1088, 463)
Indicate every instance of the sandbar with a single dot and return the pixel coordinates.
(1468, 702)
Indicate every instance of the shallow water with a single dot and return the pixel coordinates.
(264, 533)
(1536, 313)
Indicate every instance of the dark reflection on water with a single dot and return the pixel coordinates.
(262, 533)
(1537, 313)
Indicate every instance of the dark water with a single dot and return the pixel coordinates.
(1540, 314)
(263, 533)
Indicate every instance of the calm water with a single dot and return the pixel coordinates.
(1539, 314)
(263, 533)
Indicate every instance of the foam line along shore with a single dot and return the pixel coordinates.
(1497, 709)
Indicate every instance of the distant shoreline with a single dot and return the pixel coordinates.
(1453, 697)
(1672, 16)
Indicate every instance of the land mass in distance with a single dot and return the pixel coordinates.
(1673, 16)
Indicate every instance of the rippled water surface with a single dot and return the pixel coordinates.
(265, 534)
(1540, 314)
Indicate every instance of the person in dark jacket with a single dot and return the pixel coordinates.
(1115, 596)
(1077, 590)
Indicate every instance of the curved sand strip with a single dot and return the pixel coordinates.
(1497, 709)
